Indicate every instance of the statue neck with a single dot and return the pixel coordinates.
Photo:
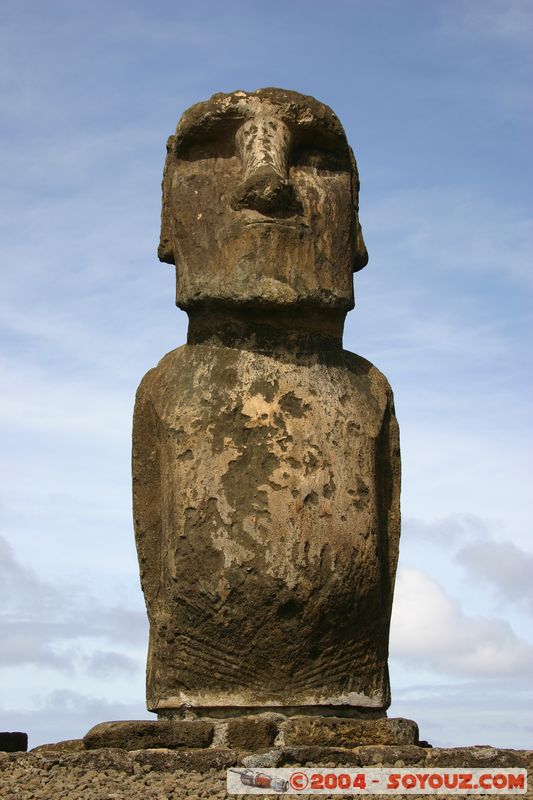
(295, 329)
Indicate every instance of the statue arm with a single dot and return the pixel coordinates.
(146, 469)
(389, 472)
(395, 521)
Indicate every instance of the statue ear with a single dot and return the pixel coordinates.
(360, 255)
(165, 251)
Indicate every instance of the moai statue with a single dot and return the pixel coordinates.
(266, 468)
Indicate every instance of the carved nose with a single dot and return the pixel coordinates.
(266, 191)
(263, 143)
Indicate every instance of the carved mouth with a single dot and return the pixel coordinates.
(277, 222)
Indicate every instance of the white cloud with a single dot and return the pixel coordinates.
(20, 645)
(104, 663)
(64, 714)
(65, 408)
(429, 629)
(473, 546)
(504, 566)
(20, 588)
(452, 229)
(475, 712)
(447, 532)
(62, 627)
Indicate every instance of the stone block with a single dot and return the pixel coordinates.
(196, 760)
(343, 732)
(271, 758)
(389, 755)
(479, 756)
(143, 734)
(251, 733)
(315, 754)
(13, 742)
(107, 758)
(65, 746)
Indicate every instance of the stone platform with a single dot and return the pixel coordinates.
(253, 733)
(179, 759)
(69, 771)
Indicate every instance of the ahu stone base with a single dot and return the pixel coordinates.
(253, 733)
(188, 759)
(71, 771)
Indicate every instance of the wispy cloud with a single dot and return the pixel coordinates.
(471, 712)
(61, 626)
(503, 566)
(452, 229)
(449, 533)
(64, 714)
(431, 630)
(504, 20)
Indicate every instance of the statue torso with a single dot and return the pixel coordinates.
(274, 525)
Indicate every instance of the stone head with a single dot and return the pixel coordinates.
(260, 204)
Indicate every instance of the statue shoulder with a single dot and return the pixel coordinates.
(156, 377)
(371, 386)
(364, 368)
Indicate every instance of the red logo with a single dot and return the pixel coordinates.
(299, 781)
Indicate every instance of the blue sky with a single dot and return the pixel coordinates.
(436, 100)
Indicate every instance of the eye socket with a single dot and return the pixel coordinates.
(320, 159)
(321, 150)
(215, 140)
(209, 148)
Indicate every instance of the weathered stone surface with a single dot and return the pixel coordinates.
(390, 755)
(197, 760)
(259, 474)
(138, 734)
(481, 756)
(260, 196)
(151, 773)
(6, 760)
(65, 746)
(98, 760)
(13, 742)
(249, 733)
(270, 758)
(266, 468)
(312, 754)
(315, 754)
(338, 732)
